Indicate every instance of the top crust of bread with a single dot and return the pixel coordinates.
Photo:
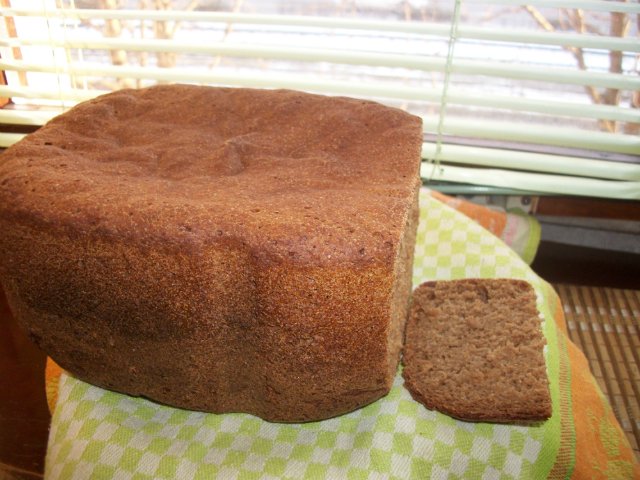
(255, 168)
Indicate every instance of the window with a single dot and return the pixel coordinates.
(542, 97)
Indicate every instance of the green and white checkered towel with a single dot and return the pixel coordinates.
(99, 434)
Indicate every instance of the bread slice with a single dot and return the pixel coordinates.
(474, 350)
(217, 249)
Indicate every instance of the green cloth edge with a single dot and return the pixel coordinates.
(562, 343)
(533, 241)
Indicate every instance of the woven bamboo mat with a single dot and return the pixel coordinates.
(605, 324)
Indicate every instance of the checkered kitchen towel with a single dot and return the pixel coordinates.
(99, 434)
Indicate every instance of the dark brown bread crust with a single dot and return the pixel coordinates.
(474, 350)
(217, 249)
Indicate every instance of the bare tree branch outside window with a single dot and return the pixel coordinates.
(579, 22)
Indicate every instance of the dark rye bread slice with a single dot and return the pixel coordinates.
(474, 351)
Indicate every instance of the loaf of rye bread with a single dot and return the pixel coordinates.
(223, 250)
(474, 350)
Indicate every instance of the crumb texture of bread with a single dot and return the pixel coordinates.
(217, 249)
(474, 351)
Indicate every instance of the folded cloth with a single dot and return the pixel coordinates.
(96, 433)
(520, 231)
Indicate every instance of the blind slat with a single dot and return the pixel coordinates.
(546, 74)
(520, 160)
(593, 5)
(556, 184)
(543, 106)
(27, 117)
(537, 134)
(64, 95)
(550, 38)
(8, 139)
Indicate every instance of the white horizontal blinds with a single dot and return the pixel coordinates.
(524, 75)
